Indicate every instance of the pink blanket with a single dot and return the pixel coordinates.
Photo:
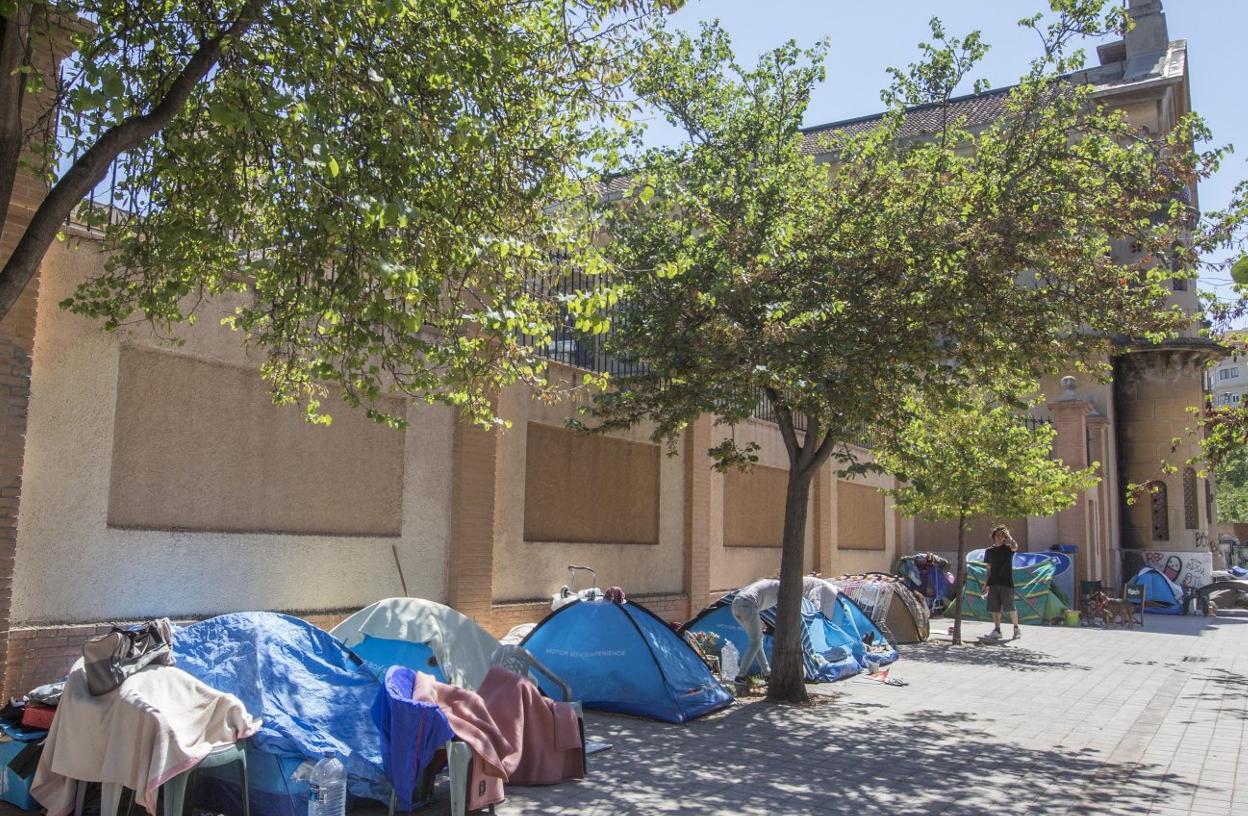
(493, 754)
(547, 734)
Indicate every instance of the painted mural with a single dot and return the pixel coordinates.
(1187, 569)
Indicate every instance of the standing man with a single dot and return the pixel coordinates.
(999, 590)
(750, 600)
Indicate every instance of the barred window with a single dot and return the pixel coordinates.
(1160, 511)
(1191, 511)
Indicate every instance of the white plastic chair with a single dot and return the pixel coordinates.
(173, 792)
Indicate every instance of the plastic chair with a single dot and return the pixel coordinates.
(1135, 595)
(517, 660)
(173, 792)
(458, 761)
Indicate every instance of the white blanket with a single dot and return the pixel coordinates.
(159, 723)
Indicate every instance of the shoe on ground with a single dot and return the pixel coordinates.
(1018, 632)
(995, 634)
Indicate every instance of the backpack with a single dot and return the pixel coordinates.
(110, 658)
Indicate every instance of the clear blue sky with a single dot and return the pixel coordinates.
(867, 37)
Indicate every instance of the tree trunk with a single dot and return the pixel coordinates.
(14, 53)
(960, 582)
(788, 671)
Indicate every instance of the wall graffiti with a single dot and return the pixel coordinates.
(1187, 569)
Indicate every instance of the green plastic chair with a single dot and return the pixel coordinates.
(173, 792)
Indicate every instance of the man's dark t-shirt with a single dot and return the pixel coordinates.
(1000, 560)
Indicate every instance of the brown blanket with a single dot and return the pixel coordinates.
(493, 754)
(547, 734)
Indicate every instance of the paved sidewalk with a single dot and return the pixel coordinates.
(1064, 721)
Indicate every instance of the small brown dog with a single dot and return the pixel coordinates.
(1112, 609)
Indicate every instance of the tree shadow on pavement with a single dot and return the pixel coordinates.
(1226, 695)
(830, 758)
(1004, 656)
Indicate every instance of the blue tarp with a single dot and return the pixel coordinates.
(312, 693)
(623, 658)
(1160, 594)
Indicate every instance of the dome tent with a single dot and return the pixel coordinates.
(1161, 595)
(312, 694)
(623, 658)
(831, 650)
(422, 635)
(892, 606)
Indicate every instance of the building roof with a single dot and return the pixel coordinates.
(976, 109)
(1117, 74)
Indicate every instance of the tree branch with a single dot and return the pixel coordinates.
(784, 419)
(92, 166)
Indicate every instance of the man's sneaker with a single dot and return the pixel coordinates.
(1018, 632)
(995, 634)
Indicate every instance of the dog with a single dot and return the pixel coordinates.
(1111, 609)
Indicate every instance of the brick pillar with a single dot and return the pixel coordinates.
(1070, 420)
(697, 583)
(1098, 450)
(17, 339)
(470, 573)
(17, 334)
(824, 489)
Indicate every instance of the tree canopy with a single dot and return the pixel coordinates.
(379, 179)
(827, 282)
(976, 459)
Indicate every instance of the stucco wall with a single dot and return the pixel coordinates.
(71, 566)
(530, 570)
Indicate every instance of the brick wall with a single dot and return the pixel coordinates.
(502, 617)
(16, 339)
(38, 655)
(470, 569)
(17, 334)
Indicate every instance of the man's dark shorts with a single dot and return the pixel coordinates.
(1000, 599)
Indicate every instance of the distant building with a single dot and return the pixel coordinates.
(1227, 381)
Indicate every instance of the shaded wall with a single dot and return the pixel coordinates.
(74, 565)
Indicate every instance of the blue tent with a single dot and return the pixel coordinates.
(623, 658)
(854, 620)
(1161, 595)
(832, 650)
(312, 693)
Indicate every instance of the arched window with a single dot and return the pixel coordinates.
(1160, 511)
(1191, 510)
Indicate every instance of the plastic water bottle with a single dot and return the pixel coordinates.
(729, 661)
(327, 794)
